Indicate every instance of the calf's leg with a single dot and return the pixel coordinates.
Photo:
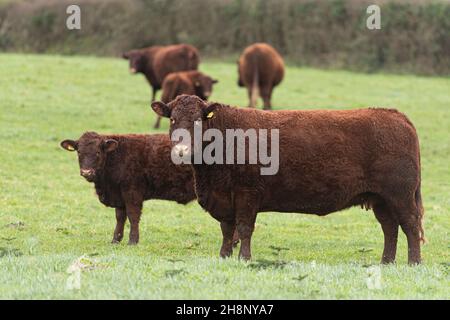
(228, 230)
(157, 123)
(121, 217)
(134, 215)
(389, 225)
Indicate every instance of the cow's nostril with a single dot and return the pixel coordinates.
(86, 172)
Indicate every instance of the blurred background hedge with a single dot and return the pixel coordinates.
(415, 34)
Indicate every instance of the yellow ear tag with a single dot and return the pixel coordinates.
(70, 148)
(210, 115)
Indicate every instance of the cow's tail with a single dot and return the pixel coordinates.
(255, 85)
(421, 212)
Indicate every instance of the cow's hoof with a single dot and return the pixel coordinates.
(132, 243)
(225, 255)
(115, 241)
(245, 258)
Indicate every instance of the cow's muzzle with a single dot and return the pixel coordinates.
(182, 150)
(88, 174)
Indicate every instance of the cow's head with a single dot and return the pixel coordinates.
(189, 113)
(203, 85)
(138, 60)
(92, 152)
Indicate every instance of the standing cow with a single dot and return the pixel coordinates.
(186, 82)
(260, 69)
(157, 62)
(328, 161)
(128, 169)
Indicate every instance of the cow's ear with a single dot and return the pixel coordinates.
(125, 55)
(69, 145)
(109, 145)
(209, 111)
(161, 109)
(215, 81)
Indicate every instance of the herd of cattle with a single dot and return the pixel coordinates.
(329, 160)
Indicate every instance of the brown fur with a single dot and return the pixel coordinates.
(134, 169)
(186, 82)
(260, 69)
(329, 161)
(157, 62)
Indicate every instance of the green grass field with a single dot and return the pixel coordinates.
(50, 216)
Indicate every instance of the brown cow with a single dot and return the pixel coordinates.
(186, 82)
(128, 169)
(157, 62)
(260, 69)
(328, 161)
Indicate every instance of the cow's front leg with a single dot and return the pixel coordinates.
(228, 229)
(245, 206)
(134, 215)
(121, 217)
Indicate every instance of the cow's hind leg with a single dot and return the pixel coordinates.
(266, 93)
(121, 217)
(410, 221)
(228, 230)
(389, 225)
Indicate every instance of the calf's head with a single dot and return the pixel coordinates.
(203, 86)
(187, 114)
(92, 152)
(138, 60)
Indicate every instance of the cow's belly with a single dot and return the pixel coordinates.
(313, 193)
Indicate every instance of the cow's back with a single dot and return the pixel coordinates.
(173, 58)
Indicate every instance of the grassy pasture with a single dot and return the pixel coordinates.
(49, 216)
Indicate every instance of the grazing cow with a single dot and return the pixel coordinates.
(328, 161)
(260, 69)
(186, 82)
(128, 169)
(157, 62)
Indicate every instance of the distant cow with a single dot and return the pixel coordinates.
(186, 82)
(128, 169)
(260, 69)
(157, 62)
(328, 161)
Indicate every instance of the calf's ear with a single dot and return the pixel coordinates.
(125, 55)
(161, 109)
(69, 145)
(215, 81)
(208, 112)
(109, 145)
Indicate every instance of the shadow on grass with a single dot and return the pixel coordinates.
(10, 252)
(174, 272)
(267, 264)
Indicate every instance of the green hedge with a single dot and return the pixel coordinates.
(415, 35)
